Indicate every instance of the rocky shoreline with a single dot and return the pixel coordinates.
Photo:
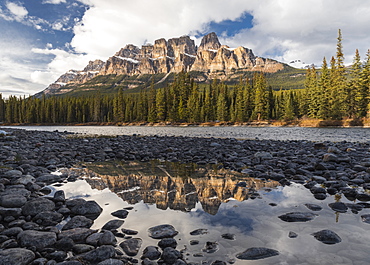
(30, 220)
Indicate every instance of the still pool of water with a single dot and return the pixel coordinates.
(241, 132)
(190, 197)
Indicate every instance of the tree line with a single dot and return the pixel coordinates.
(334, 92)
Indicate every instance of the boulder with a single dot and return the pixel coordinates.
(298, 217)
(78, 221)
(327, 237)
(89, 209)
(35, 206)
(256, 253)
(162, 231)
(16, 256)
(131, 246)
(37, 239)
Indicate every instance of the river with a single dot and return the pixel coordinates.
(238, 132)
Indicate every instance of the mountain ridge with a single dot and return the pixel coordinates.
(212, 59)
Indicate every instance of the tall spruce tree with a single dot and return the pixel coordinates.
(324, 86)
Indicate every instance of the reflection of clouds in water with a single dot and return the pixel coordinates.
(254, 222)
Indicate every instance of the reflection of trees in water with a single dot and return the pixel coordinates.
(173, 185)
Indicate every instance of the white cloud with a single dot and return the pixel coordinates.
(108, 26)
(54, 2)
(18, 11)
(283, 29)
(307, 30)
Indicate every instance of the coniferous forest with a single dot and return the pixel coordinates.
(333, 92)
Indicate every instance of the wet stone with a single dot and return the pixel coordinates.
(365, 218)
(338, 207)
(38, 205)
(48, 218)
(170, 255)
(37, 239)
(292, 234)
(218, 262)
(89, 209)
(131, 246)
(78, 235)
(162, 231)
(363, 197)
(210, 247)
(64, 244)
(59, 196)
(327, 237)
(12, 201)
(320, 196)
(256, 253)
(16, 256)
(107, 238)
(99, 254)
(129, 231)
(167, 242)
(120, 214)
(112, 225)
(200, 231)
(151, 252)
(78, 221)
(298, 217)
(228, 236)
(82, 248)
(313, 207)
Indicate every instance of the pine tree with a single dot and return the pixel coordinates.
(358, 96)
(324, 86)
(365, 82)
(152, 112)
(161, 105)
(261, 107)
(2, 109)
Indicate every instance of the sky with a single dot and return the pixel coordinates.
(42, 39)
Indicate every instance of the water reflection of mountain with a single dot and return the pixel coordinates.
(172, 185)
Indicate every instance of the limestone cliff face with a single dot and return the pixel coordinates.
(175, 55)
(75, 77)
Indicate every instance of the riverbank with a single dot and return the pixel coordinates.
(304, 122)
(30, 230)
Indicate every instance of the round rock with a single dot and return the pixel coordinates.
(313, 207)
(298, 217)
(37, 239)
(38, 205)
(78, 221)
(120, 214)
(112, 225)
(131, 246)
(365, 218)
(89, 209)
(256, 253)
(162, 231)
(327, 237)
(151, 252)
(16, 256)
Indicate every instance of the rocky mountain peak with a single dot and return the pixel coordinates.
(210, 42)
(129, 51)
(214, 60)
(96, 65)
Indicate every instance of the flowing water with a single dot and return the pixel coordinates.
(238, 132)
(191, 197)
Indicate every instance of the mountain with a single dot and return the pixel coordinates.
(132, 67)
